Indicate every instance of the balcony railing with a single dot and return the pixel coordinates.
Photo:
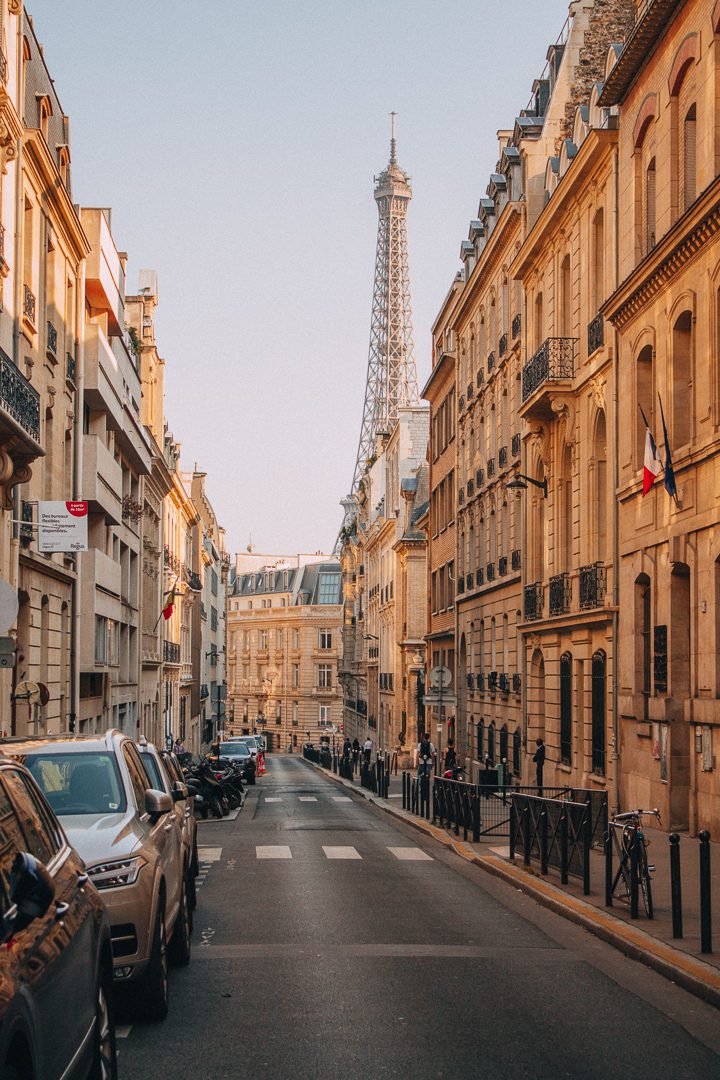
(490, 467)
(469, 580)
(461, 585)
(480, 376)
(479, 478)
(517, 683)
(26, 518)
(171, 652)
(559, 594)
(596, 334)
(515, 445)
(555, 359)
(593, 584)
(515, 559)
(492, 681)
(52, 339)
(491, 361)
(490, 571)
(19, 398)
(461, 402)
(470, 391)
(470, 681)
(502, 457)
(29, 304)
(480, 681)
(461, 496)
(502, 565)
(70, 367)
(479, 577)
(470, 489)
(516, 324)
(502, 346)
(533, 601)
(504, 683)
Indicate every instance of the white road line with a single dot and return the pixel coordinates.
(341, 798)
(395, 795)
(273, 798)
(122, 1030)
(410, 854)
(307, 798)
(341, 853)
(273, 851)
(209, 854)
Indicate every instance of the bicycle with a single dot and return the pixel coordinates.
(627, 833)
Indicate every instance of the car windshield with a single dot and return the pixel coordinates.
(234, 749)
(82, 783)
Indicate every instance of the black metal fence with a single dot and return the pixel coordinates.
(555, 832)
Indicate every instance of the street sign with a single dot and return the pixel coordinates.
(28, 692)
(434, 699)
(62, 526)
(439, 677)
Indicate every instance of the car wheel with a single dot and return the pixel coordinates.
(192, 893)
(154, 994)
(179, 950)
(104, 1066)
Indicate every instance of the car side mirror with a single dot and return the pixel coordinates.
(157, 802)
(32, 890)
(180, 791)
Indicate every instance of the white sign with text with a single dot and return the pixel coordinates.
(62, 526)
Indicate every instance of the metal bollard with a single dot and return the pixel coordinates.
(513, 826)
(675, 885)
(705, 893)
(608, 867)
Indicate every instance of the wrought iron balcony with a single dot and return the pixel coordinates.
(559, 594)
(502, 457)
(18, 398)
(502, 346)
(479, 576)
(490, 467)
(470, 681)
(461, 496)
(171, 652)
(52, 339)
(469, 580)
(504, 683)
(490, 571)
(26, 518)
(517, 683)
(480, 681)
(533, 601)
(516, 324)
(470, 489)
(554, 360)
(479, 478)
(461, 402)
(502, 565)
(193, 580)
(29, 304)
(470, 391)
(596, 334)
(593, 584)
(480, 377)
(461, 585)
(491, 361)
(492, 681)
(70, 367)
(515, 559)
(515, 445)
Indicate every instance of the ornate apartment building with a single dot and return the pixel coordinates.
(284, 632)
(665, 313)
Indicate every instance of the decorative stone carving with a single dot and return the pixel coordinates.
(565, 409)
(597, 391)
(11, 474)
(14, 6)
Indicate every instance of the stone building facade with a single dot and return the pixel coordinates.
(284, 634)
(665, 313)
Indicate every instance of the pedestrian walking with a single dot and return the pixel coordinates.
(539, 761)
(426, 756)
(450, 765)
(178, 746)
(367, 750)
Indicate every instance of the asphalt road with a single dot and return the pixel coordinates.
(372, 952)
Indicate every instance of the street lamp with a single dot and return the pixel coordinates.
(519, 485)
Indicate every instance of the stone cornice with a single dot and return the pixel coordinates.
(678, 247)
(54, 192)
(497, 243)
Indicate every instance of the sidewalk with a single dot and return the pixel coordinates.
(647, 940)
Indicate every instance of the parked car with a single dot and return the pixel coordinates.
(56, 973)
(238, 752)
(158, 777)
(175, 771)
(126, 832)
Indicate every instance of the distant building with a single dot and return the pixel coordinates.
(284, 622)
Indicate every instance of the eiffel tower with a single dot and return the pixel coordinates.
(391, 374)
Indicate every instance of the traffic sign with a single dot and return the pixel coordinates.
(439, 677)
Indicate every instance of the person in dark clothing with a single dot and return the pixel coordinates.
(346, 748)
(451, 759)
(539, 761)
(355, 754)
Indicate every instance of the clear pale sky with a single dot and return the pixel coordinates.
(236, 143)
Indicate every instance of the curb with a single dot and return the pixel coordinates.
(692, 974)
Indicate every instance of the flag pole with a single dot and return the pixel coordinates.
(667, 457)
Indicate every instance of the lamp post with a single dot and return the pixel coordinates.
(521, 482)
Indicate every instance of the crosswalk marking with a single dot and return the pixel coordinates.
(307, 798)
(273, 798)
(209, 854)
(341, 798)
(273, 851)
(410, 854)
(341, 853)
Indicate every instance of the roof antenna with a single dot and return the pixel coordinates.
(393, 157)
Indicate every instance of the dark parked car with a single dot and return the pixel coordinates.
(56, 969)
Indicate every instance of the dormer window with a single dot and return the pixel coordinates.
(44, 114)
(64, 163)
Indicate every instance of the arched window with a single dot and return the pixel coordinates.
(565, 328)
(598, 261)
(517, 744)
(539, 324)
(643, 643)
(566, 709)
(480, 739)
(493, 646)
(538, 526)
(506, 643)
(504, 743)
(491, 742)
(682, 380)
(644, 399)
(601, 489)
(567, 510)
(599, 711)
(689, 159)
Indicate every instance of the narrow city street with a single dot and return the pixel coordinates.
(333, 941)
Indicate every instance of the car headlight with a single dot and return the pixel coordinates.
(111, 875)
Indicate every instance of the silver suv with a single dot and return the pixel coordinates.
(130, 839)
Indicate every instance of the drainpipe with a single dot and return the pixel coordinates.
(523, 514)
(17, 301)
(616, 480)
(77, 489)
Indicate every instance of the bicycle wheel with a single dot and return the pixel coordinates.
(644, 881)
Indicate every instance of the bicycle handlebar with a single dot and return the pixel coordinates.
(636, 813)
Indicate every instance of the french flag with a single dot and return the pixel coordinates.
(652, 465)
